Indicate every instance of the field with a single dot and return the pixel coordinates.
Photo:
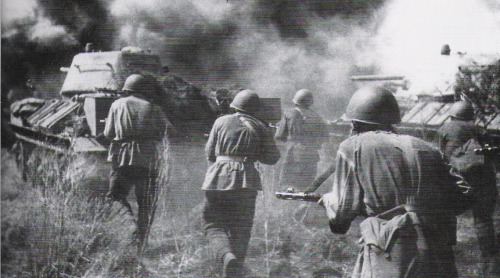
(58, 225)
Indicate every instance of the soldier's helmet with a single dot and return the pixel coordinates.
(303, 97)
(246, 101)
(462, 110)
(373, 105)
(138, 83)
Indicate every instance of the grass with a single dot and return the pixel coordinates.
(58, 225)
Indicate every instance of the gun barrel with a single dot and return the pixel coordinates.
(475, 69)
(299, 196)
(377, 77)
(487, 150)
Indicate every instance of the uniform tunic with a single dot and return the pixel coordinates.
(452, 136)
(305, 132)
(136, 126)
(242, 136)
(372, 176)
(231, 183)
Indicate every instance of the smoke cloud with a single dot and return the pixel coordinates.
(38, 37)
(409, 39)
(275, 47)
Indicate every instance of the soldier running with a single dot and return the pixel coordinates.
(452, 136)
(305, 132)
(405, 182)
(136, 126)
(231, 183)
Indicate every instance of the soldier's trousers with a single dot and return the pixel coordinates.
(144, 179)
(228, 220)
(482, 212)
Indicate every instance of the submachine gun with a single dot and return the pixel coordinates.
(292, 194)
(488, 150)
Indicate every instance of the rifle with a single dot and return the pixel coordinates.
(291, 194)
(487, 150)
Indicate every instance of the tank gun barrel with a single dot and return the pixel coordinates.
(377, 77)
(475, 69)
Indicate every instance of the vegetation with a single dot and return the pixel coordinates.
(59, 225)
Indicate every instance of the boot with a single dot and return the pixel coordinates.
(230, 267)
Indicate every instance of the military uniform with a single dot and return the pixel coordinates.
(452, 136)
(235, 143)
(377, 172)
(136, 127)
(305, 132)
(373, 176)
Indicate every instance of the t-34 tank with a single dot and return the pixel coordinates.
(75, 122)
(423, 114)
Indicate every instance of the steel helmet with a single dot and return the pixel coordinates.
(462, 110)
(303, 97)
(246, 101)
(138, 83)
(374, 105)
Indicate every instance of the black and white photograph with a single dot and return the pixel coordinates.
(250, 138)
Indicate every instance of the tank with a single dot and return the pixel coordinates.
(422, 114)
(74, 123)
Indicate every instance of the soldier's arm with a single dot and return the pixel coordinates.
(344, 202)
(211, 143)
(282, 130)
(457, 191)
(269, 152)
(109, 129)
(321, 178)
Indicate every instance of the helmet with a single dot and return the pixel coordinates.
(138, 83)
(303, 97)
(462, 110)
(246, 101)
(373, 105)
(445, 50)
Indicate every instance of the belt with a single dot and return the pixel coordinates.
(242, 159)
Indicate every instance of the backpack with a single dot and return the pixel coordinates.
(465, 160)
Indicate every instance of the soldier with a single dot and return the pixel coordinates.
(401, 179)
(305, 132)
(231, 183)
(452, 136)
(136, 126)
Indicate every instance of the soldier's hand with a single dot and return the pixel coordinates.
(329, 202)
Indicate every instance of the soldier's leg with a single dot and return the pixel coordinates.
(482, 212)
(241, 222)
(146, 197)
(119, 187)
(215, 224)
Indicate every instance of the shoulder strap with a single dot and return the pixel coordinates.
(411, 160)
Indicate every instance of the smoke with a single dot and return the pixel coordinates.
(410, 37)
(38, 37)
(275, 47)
